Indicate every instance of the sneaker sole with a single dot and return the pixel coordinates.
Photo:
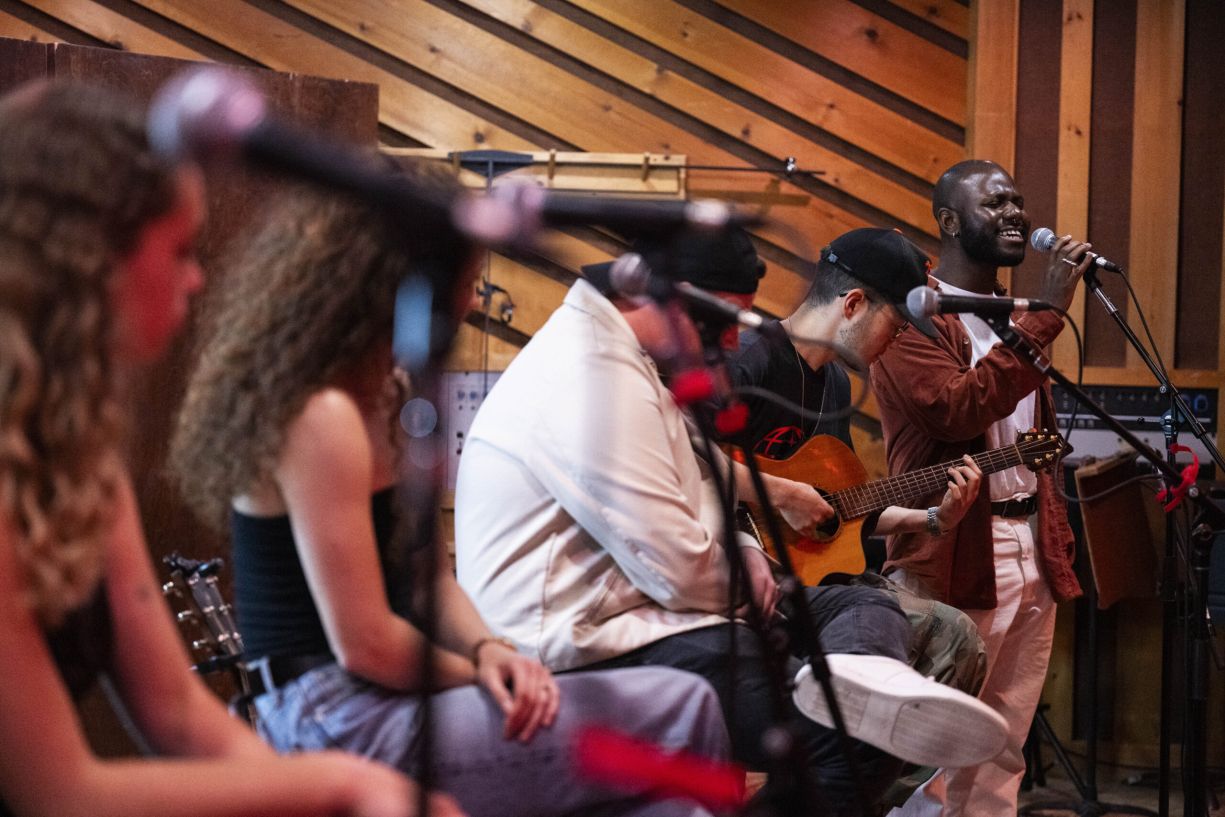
(945, 730)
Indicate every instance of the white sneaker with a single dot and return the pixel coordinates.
(887, 704)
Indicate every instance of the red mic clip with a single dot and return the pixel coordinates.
(1189, 474)
(692, 386)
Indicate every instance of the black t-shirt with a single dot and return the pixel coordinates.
(771, 362)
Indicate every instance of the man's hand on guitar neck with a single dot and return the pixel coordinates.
(964, 483)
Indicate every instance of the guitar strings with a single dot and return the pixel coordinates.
(860, 500)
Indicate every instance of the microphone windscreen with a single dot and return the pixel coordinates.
(1042, 239)
(629, 275)
(922, 301)
(203, 111)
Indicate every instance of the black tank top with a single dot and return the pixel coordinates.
(276, 614)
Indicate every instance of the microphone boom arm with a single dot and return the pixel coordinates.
(1035, 358)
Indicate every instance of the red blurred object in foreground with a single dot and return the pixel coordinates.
(731, 420)
(619, 761)
(692, 386)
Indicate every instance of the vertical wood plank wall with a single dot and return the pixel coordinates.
(1117, 140)
(1108, 113)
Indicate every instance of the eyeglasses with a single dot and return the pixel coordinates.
(868, 296)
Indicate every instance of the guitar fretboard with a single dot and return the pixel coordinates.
(861, 500)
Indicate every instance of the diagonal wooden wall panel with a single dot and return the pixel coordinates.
(784, 83)
(872, 47)
(113, 28)
(950, 15)
(708, 106)
(842, 91)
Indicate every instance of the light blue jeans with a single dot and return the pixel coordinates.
(327, 708)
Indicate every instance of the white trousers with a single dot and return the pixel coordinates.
(1018, 635)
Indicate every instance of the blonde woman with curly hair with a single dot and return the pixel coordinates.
(97, 262)
(287, 432)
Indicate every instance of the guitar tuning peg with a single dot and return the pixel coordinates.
(168, 588)
(184, 616)
(200, 644)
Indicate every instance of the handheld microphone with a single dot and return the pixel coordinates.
(925, 301)
(1044, 238)
(217, 113)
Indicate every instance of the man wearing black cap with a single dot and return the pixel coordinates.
(1009, 559)
(856, 306)
(587, 531)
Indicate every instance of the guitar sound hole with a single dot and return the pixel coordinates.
(828, 529)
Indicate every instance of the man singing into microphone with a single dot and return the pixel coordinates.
(963, 392)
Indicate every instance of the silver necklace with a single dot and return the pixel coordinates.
(799, 362)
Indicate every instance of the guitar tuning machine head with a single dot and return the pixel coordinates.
(184, 616)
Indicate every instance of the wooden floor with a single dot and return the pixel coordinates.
(1116, 788)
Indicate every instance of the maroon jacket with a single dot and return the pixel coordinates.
(935, 407)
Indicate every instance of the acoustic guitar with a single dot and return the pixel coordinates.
(832, 468)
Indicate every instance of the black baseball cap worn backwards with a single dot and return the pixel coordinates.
(723, 261)
(886, 262)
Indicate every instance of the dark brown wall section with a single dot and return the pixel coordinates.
(1202, 209)
(1114, 54)
(1037, 166)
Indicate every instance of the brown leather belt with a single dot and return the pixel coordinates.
(1015, 508)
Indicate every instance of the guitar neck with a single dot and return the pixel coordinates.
(861, 500)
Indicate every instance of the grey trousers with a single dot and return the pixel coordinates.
(857, 620)
(327, 708)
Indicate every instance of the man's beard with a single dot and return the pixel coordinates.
(981, 244)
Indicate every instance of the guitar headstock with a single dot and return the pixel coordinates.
(194, 590)
(1040, 449)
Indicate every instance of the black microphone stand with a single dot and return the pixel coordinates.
(1211, 519)
(424, 329)
(794, 794)
(791, 790)
(1172, 589)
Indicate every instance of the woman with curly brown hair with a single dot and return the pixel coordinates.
(287, 430)
(97, 262)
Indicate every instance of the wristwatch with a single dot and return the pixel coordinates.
(933, 521)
